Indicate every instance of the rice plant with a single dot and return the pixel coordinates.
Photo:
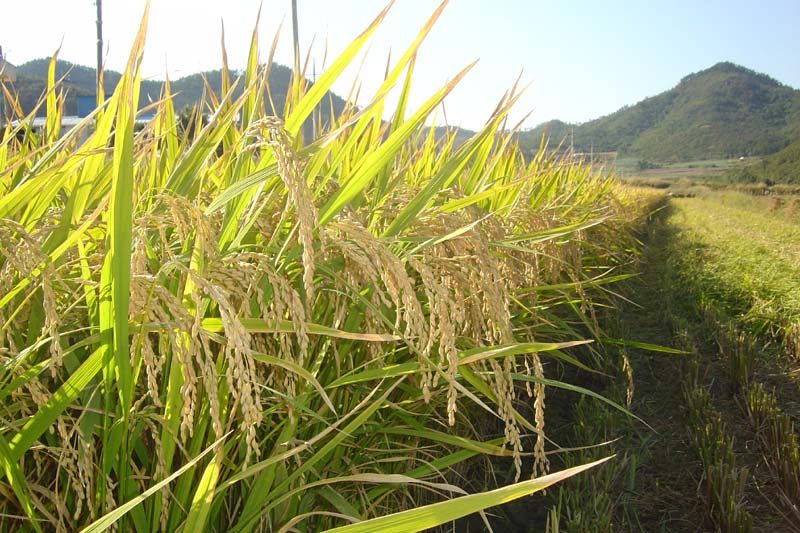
(723, 483)
(777, 438)
(752, 279)
(231, 327)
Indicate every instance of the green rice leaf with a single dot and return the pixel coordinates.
(379, 157)
(203, 496)
(579, 390)
(103, 523)
(643, 346)
(17, 481)
(258, 325)
(56, 405)
(53, 126)
(318, 90)
(300, 371)
(390, 371)
(436, 514)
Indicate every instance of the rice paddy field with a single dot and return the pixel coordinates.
(746, 260)
(708, 169)
(234, 325)
(718, 283)
(231, 327)
(725, 270)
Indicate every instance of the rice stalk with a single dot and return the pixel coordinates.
(302, 310)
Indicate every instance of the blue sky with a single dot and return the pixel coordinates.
(582, 59)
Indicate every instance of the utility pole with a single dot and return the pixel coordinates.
(572, 141)
(315, 112)
(295, 33)
(8, 72)
(296, 39)
(100, 91)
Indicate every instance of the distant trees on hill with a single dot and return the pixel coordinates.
(187, 91)
(724, 111)
(781, 167)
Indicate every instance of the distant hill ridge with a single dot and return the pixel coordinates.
(32, 81)
(724, 111)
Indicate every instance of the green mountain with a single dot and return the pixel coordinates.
(32, 81)
(780, 167)
(724, 111)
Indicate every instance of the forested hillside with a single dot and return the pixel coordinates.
(724, 111)
(781, 167)
(80, 80)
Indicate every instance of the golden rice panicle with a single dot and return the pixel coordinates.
(542, 258)
(139, 301)
(543, 261)
(191, 223)
(386, 272)
(187, 341)
(287, 302)
(521, 268)
(241, 274)
(627, 370)
(471, 273)
(433, 293)
(495, 306)
(299, 195)
(21, 257)
(110, 502)
(160, 471)
(441, 271)
(241, 368)
(152, 302)
(503, 387)
(67, 458)
(362, 268)
(72, 464)
(445, 321)
(201, 347)
(528, 372)
(86, 462)
(52, 321)
(540, 461)
(38, 393)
